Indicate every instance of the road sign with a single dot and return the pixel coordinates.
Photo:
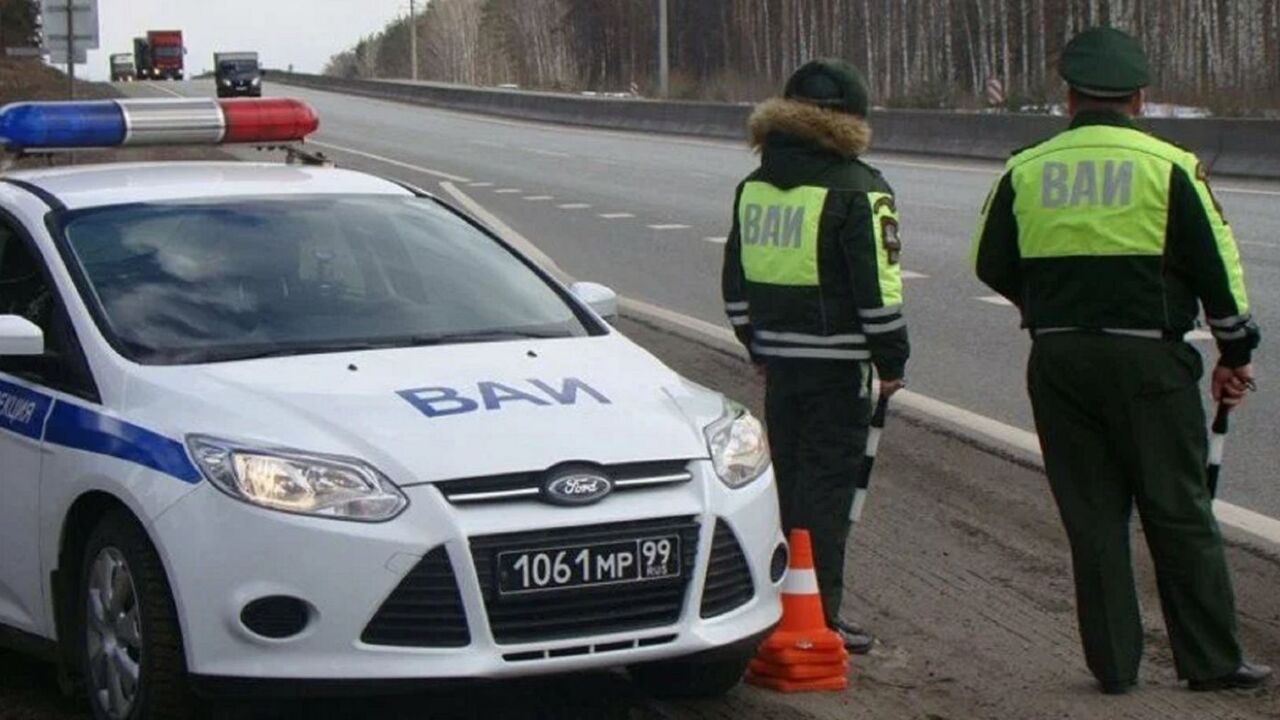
(84, 20)
(58, 55)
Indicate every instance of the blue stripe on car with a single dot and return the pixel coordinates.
(23, 411)
(83, 429)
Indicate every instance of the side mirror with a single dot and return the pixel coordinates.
(20, 336)
(601, 299)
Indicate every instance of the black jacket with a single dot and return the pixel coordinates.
(811, 266)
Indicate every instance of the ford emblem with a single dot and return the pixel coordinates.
(576, 488)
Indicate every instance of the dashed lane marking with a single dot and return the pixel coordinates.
(486, 143)
(508, 191)
(389, 161)
(480, 184)
(913, 275)
(616, 215)
(717, 240)
(995, 300)
(548, 153)
(669, 226)
(1258, 243)
(537, 198)
(1254, 523)
(573, 206)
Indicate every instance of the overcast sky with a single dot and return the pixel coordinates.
(303, 33)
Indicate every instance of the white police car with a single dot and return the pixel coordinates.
(291, 423)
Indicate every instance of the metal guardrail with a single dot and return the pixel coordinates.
(1236, 147)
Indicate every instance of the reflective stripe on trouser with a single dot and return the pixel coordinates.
(1087, 390)
(817, 413)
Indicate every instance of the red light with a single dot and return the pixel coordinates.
(265, 121)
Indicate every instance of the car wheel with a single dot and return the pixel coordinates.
(130, 645)
(691, 678)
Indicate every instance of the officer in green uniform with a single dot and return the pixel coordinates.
(1108, 240)
(813, 288)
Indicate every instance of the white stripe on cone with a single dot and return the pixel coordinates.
(800, 582)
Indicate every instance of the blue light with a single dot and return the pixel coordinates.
(33, 125)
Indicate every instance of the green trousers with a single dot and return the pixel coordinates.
(817, 412)
(1121, 423)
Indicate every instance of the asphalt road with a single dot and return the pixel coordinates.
(647, 215)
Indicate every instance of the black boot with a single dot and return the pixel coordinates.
(856, 640)
(1246, 677)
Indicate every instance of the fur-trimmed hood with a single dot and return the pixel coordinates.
(843, 134)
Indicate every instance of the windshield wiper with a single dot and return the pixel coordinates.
(290, 351)
(487, 336)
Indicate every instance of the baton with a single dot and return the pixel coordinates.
(869, 458)
(1217, 442)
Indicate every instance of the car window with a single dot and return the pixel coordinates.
(25, 291)
(203, 281)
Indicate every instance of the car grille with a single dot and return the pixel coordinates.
(584, 611)
(528, 485)
(729, 585)
(425, 609)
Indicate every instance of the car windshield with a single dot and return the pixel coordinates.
(206, 281)
(168, 51)
(238, 67)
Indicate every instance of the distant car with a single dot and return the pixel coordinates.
(237, 73)
(264, 425)
(122, 68)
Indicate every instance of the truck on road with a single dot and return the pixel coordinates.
(122, 69)
(167, 53)
(237, 73)
(142, 59)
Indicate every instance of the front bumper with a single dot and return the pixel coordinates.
(222, 554)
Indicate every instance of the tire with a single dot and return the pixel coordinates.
(121, 574)
(688, 679)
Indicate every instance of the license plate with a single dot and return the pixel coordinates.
(628, 561)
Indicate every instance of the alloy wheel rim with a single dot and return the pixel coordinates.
(114, 634)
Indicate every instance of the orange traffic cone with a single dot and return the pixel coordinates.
(803, 653)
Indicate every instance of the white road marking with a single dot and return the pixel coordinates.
(157, 86)
(573, 206)
(537, 198)
(480, 184)
(669, 226)
(913, 275)
(548, 153)
(486, 143)
(1243, 519)
(1259, 244)
(389, 161)
(616, 216)
(995, 300)
(508, 191)
(717, 240)
(1245, 191)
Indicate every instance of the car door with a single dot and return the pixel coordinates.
(27, 388)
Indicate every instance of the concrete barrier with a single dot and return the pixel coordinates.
(1242, 148)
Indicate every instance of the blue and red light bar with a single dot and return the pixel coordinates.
(29, 126)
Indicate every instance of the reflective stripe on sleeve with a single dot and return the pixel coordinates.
(739, 320)
(885, 327)
(880, 312)
(1230, 322)
(1240, 334)
(737, 306)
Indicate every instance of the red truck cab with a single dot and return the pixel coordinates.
(167, 53)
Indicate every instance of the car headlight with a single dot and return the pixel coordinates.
(256, 82)
(738, 445)
(226, 82)
(297, 482)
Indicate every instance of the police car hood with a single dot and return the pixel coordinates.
(434, 413)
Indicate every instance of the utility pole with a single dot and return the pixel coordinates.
(413, 40)
(71, 51)
(664, 62)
